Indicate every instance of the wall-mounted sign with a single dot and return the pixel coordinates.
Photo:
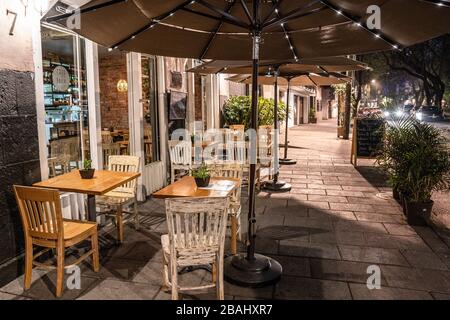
(176, 79)
(61, 79)
(122, 86)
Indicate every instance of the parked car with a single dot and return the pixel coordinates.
(428, 113)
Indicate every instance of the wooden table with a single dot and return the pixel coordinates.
(186, 187)
(103, 182)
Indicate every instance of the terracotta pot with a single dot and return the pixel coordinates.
(87, 173)
(201, 183)
(417, 212)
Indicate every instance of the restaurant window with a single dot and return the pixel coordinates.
(113, 82)
(150, 109)
(65, 100)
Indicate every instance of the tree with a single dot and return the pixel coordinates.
(427, 62)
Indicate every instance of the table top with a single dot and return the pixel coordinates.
(103, 182)
(186, 187)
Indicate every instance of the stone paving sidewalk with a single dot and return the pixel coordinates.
(326, 232)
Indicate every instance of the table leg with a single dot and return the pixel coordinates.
(92, 214)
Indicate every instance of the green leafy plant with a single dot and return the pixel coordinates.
(416, 158)
(87, 164)
(312, 112)
(237, 110)
(201, 172)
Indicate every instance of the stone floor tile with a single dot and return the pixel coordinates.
(352, 207)
(399, 229)
(361, 292)
(112, 289)
(340, 270)
(321, 198)
(311, 289)
(307, 191)
(331, 214)
(432, 239)
(359, 188)
(291, 209)
(311, 223)
(418, 279)
(359, 226)
(440, 296)
(324, 187)
(313, 250)
(425, 260)
(344, 193)
(372, 255)
(350, 237)
(369, 200)
(377, 217)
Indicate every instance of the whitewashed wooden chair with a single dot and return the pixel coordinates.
(180, 157)
(124, 195)
(196, 237)
(265, 154)
(109, 149)
(235, 208)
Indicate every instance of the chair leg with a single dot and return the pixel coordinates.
(165, 273)
(95, 253)
(174, 279)
(136, 214)
(28, 264)
(119, 222)
(59, 268)
(219, 280)
(172, 175)
(214, 272)
(233, 235)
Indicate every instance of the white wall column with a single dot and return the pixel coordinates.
(136, 113)
(93, 90)
(162, 114)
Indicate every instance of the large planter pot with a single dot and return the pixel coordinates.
(87, 173)
(396, 194)
(312, 120)
(202, 182)
(417, 212)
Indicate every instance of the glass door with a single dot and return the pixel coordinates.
(65, 99)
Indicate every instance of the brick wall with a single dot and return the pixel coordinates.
(114, 104)
(198, 97)
(19, 156)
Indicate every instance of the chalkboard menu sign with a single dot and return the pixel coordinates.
(367, 137)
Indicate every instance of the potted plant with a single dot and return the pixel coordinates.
(417, 160)
(312, 115)
(87, 172)
(201, 176)
(427, 169)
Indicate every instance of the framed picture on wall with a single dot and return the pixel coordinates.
(177, 105)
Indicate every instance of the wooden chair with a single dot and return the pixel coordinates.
(234, 211)
(44, 226)
(109, 149)
(180, 157)
(196, 237)
(124, 195)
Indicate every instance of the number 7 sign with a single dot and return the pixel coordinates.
(13, 25)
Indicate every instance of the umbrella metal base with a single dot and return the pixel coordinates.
(276, 186)
(287, 162)
(259, 272)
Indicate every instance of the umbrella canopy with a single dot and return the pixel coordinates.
(220, 29)
(309, 65)
(303, 80)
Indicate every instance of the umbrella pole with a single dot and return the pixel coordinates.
(275, 185)
(250, 269)
(285, 160)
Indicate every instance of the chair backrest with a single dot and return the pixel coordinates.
(240, 152)
(106, 137)
(180, 152)
(40, 211)
(196, 224)
(125, 164)
(109, 149)
(226, 170)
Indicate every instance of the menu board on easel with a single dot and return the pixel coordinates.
(367, 137)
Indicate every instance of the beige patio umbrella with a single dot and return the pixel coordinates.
(292, 67)
(275, 78)
(257, 29)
